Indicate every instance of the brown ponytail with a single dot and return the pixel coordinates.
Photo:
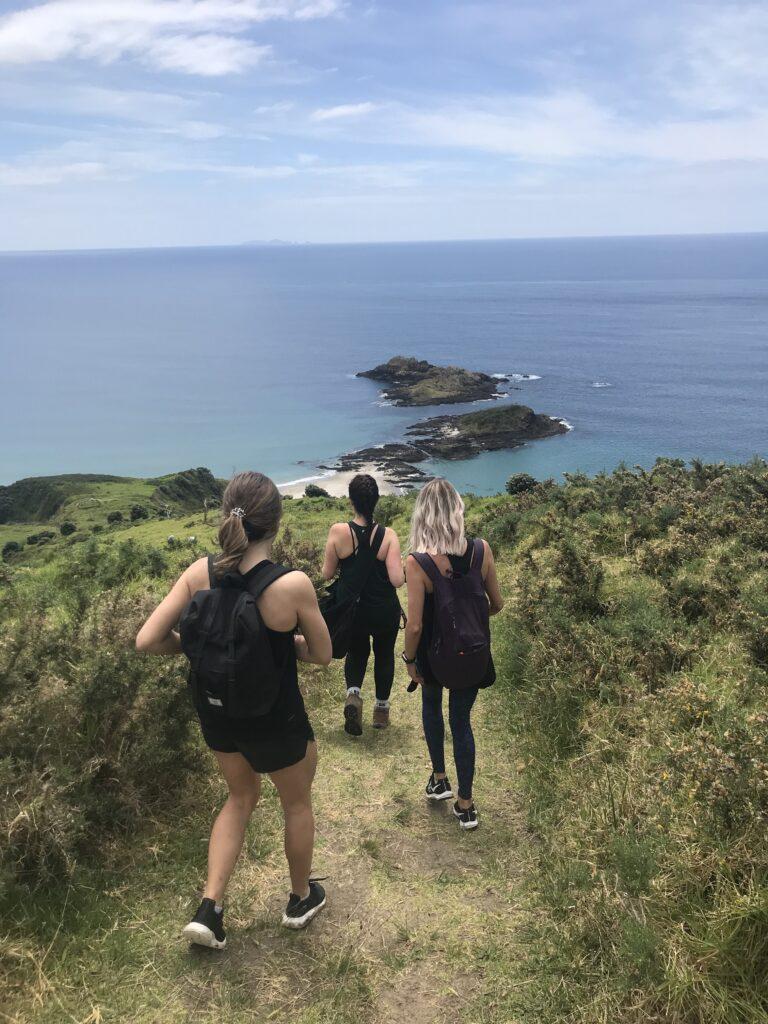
(251, 511)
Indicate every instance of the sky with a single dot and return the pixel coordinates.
(129, 123)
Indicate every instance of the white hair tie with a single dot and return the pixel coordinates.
(239, 512)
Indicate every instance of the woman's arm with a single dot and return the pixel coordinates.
(314, 642)
(414, 625)
(331, 560)
(157, 635)
(491, 581)
(394, 561)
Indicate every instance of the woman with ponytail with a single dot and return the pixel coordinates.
(378, 612)
(279, 743)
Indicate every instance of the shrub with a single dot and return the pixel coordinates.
(92, 735)
(138, 512)
(12, 547)
(299, 553)
(519, 483)
(313, 491)
(67, 528)
(114, 517)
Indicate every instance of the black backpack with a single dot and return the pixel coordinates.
(339, 610)
(460, 652)
(232, 667)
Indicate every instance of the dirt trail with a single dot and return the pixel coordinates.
(423, 922)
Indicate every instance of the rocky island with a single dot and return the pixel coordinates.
(453, 437)
(416, 382)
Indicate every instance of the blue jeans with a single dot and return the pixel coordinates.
(459, 709)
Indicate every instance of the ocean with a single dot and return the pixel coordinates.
(144, 362)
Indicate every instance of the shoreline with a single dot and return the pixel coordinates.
(336, 482)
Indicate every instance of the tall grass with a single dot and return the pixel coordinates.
(634, 665)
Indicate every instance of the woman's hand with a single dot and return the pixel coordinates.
(413, 672)
(302, 647)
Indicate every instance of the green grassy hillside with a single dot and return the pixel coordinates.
(620, 873)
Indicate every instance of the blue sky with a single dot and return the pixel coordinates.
(186, 122)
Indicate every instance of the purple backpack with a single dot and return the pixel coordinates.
(460, 650)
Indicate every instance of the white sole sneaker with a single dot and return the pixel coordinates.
(301, 922)
(466, 825)
(436, 797)
(202, 936)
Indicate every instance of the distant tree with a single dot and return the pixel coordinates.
(313, 491)
(67, 528)
(114, 517)
(520, 483)
(12, 547)
(138, 512)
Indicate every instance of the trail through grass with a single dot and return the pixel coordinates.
(424, 923)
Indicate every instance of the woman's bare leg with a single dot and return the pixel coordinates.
(228, 830)
(294, 787)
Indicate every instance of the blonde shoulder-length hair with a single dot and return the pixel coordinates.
(437, 525)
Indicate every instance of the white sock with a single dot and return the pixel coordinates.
(218, 907)
(353, 689)
(382, 704)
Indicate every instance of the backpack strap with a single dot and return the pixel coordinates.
(427, 563)
(377, 539)
(478, 554)
(266, 578)
(213, 582)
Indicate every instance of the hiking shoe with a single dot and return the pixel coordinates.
(353, 715)
(380, 717)
(299, 913)
(467, 815)
(207, 927)
(438, 789)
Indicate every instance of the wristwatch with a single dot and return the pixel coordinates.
(407, 660)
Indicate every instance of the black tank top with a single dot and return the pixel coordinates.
(378, 596)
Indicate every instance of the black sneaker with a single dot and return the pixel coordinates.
(299, 913)
(467, 816)
(438, 789)
(207, 927)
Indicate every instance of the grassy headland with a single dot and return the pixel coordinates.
(620, 873)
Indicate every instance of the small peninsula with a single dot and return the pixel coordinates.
(417, 382)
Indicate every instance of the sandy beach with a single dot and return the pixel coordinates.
(336, 482)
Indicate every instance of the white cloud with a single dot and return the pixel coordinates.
(200, 37)
(36, 174)
(275, 108)
(344, 110)
(719, 61)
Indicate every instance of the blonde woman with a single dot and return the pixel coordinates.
(452, 590)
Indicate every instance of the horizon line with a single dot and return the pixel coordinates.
(288, 244)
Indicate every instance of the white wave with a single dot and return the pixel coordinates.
(500, 376)
(307, 479)
(601, 384)
(566, 424)
(523, 376)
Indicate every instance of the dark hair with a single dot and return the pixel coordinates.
(364, 493)
(258, 507)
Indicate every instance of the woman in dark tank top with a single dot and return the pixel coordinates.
(378, 615)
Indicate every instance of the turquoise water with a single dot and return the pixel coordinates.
(141, 362)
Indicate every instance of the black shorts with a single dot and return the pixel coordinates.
(264, 751)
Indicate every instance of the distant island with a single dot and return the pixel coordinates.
(416, 382)
(453, 437)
